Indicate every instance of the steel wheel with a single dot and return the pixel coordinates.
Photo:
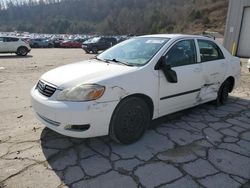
(130, 120)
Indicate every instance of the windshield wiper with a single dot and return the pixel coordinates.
(114, 60)
(96, 58)
(119, 62)
(103, 60)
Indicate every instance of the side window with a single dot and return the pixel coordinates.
(10, 39)
(7, 39)
(13, 39)
(182, 53)
(209, 51)
(1, 39)
(103, 40)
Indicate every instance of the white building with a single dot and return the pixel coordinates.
(237, 32)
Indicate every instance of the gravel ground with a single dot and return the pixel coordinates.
(206, 146)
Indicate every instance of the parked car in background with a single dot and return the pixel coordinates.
(41, 43)
(75, 43)
(124, 88)
(98, 43)
(14, 45)
(57, 42)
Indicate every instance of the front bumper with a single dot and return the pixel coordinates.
(86, 47)
(93, 117)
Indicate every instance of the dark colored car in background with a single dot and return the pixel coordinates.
(56, 42)
(98, 44)
(76, 43)
(40, 43)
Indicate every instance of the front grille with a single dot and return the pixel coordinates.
(45, 89)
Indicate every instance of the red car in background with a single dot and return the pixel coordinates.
(76, 43)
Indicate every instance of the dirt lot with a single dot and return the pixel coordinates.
(206, 146)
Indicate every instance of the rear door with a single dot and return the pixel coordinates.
(6, 46)
(182, 57)
(214, 67)
(12, 44)
(2, 49)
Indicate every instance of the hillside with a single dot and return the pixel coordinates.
(114, 17)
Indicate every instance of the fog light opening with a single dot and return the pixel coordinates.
(77, 128)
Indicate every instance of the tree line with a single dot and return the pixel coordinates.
(112, 17)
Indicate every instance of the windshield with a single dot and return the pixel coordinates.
(135, 52)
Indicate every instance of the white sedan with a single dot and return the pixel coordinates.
(124, 88)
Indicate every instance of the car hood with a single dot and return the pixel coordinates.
(85, 72)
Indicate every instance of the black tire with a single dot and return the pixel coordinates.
(86, 51)
(249, 69)
(130, 120)
(94, 50)
(22, 51)
(224, 93)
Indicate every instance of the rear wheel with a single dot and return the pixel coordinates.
(130, 120)
(86, 51)
(22, 51)
(224, 92)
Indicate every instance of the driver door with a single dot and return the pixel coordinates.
(182, 59)
(103, 44)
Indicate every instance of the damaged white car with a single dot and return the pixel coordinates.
(120, 91)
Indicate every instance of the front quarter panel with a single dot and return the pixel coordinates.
(142, 81)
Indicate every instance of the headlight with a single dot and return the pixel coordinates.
(80, 93)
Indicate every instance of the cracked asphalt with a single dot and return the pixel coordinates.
(206, 146)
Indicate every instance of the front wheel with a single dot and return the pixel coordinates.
(130, 120)
(86, 51)
(22, 51)
(94, 50)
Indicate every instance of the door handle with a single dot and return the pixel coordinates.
(197, 70)
(214, 74)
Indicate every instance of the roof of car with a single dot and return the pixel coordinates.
(172, 36)
(9, 36)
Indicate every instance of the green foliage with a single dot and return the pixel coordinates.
(195, 15)
(101, 16)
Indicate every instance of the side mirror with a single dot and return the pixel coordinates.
(160, 63)
(170, 74)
